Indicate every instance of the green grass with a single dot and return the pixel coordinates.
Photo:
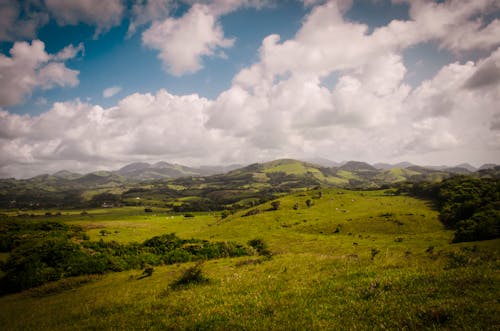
(321, 276)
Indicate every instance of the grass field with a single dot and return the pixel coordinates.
(352, 260)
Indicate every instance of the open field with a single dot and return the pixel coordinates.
(352, 260)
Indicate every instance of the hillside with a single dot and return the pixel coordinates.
(163, 183)
(351, 260)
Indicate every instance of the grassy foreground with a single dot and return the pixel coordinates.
(352, 260)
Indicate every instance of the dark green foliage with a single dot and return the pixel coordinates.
(48, 251)
(192, 275)
(275, 205)
(260, 246)
(148, 272)
(251, 212)
(309, 202)
(105, 198)
(469, 205)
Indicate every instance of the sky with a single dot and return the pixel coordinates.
(93, 85)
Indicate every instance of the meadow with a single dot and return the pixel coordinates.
(340, 260)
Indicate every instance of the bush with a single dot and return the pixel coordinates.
(260, 246)
(275, 205)
(192, 275)
(374, 252)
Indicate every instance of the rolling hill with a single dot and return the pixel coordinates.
(164, 182)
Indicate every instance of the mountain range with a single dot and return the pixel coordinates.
(233, 183)
(142, 171)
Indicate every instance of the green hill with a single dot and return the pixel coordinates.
(343, 260)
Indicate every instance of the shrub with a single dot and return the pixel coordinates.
(192, 275)
(260, 246)
(275, 205)
(148, 272)
(374, 252)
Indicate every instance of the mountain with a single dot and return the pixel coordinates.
(64, 174)
(457, 170)
(388, 166)
(133, 167)
(141, 171)
(323, 162)
(357, 166)
(466, 166)
(487, 166)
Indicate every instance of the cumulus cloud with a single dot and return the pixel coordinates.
(30, 67)
(102, 14)
(110, 91)
(82, 134)
(183, 41)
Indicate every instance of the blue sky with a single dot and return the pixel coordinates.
(341, 74)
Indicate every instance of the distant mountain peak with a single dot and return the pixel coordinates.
(136, 166)
(487, 166)
(162, 164)
(466, 166)
(356, 165)
(65, 174)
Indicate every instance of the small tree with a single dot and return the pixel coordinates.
(275, 205)
(309, 203)
(296, 206)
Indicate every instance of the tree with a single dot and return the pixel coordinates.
(309, 203)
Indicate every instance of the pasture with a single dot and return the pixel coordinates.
(350, 260)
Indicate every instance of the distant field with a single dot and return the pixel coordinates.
(352, 260)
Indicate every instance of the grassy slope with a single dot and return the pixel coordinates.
(317, 279)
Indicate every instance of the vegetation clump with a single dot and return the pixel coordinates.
(48, 251)
(470, 206)
(192, 275)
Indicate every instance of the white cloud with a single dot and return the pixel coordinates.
(182, 42)
(80, 135)
(110, 91)
(102, 14)
(70, 52)
(30, 67)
